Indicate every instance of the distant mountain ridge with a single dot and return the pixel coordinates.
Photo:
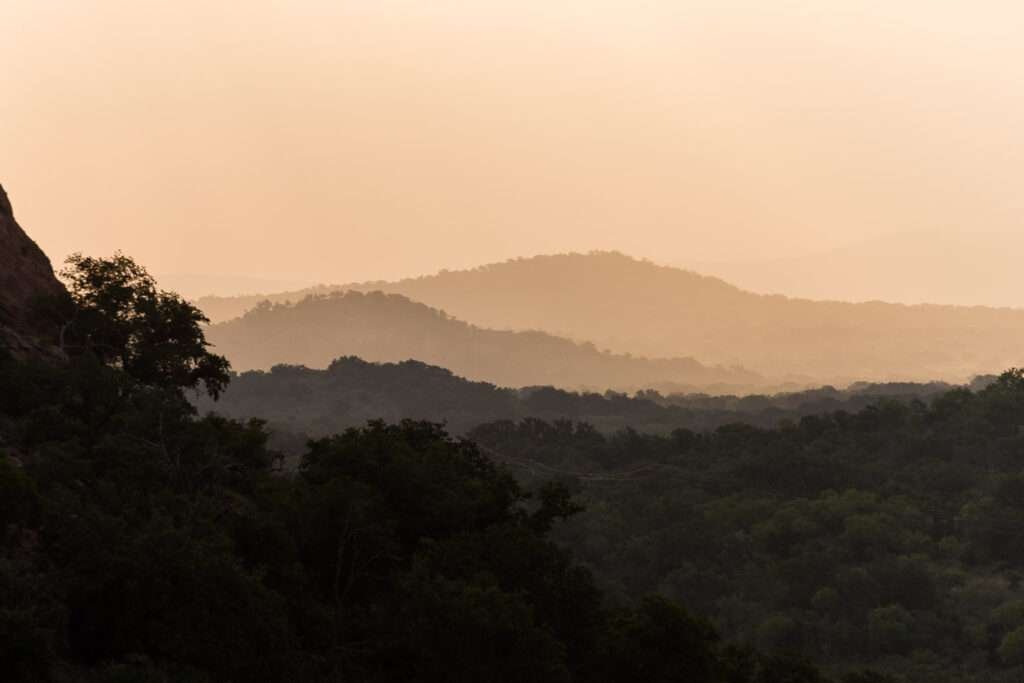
(389, 327)
(629, 305)
(222, 308)
(197, 285)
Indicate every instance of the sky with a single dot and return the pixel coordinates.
(334, 140)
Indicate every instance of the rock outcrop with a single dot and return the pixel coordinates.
(26, 278)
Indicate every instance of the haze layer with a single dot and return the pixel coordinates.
(343, 141)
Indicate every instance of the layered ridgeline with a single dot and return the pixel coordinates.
(628, 305)
(389, 327)
(302, 401)
(26, 279)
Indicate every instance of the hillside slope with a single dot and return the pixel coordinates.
(298, 400)
(26, 276)
(629, 305)
(382, 327)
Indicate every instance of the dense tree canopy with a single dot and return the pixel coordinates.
(890, 537)
(120, 315)
(351, 390)
(143, 543)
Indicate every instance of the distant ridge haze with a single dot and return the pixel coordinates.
(382, 139)
(982, 269)
(634, 306)
(909, 268)
(389, 327)
(198, 285)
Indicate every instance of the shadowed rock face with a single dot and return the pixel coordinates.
(25, 276)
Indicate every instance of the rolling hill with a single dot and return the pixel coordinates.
(389, 327)
(634, 306)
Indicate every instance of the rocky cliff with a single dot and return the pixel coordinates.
(26, 277)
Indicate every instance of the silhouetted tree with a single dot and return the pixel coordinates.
(155, 337)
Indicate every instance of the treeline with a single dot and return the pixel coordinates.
(350, 391)
(892, 536)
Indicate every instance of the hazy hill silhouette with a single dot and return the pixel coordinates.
(389, 327)
(629, 305)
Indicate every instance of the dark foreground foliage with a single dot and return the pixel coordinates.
(144, 543)
(891, 537)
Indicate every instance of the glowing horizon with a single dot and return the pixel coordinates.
(338, 142)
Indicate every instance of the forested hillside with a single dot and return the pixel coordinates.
(382, 327)
(300, 400)
(142, 542)
(628, 305)
(869, 535)
(890, 536)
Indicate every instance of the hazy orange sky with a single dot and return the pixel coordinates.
(336, 141)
